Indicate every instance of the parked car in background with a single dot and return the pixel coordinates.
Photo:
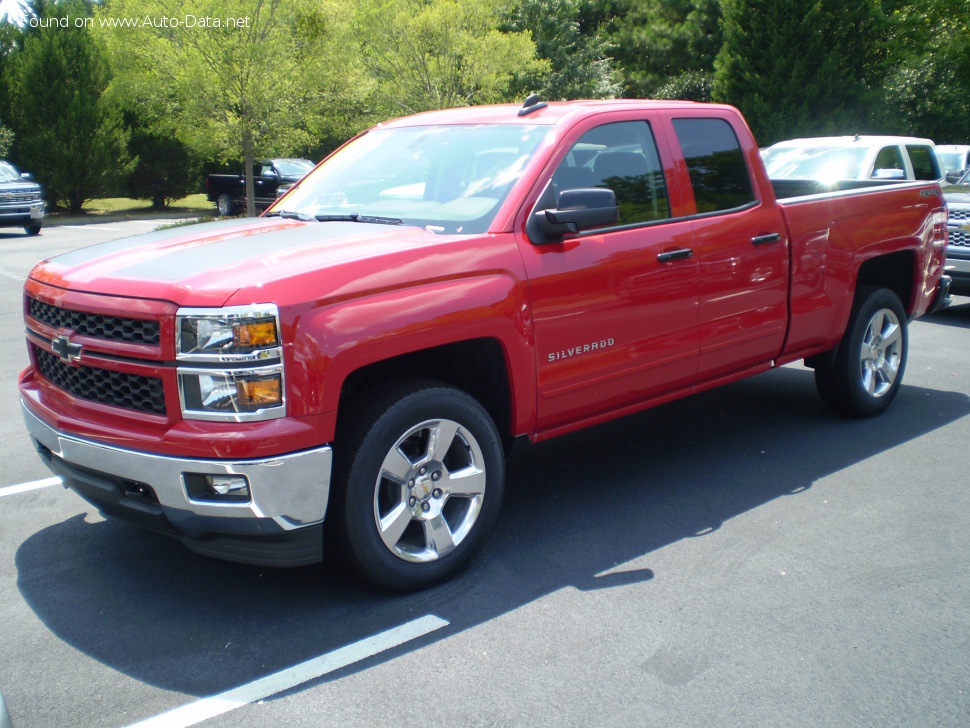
(955, 160)
(228, 191)
(824, 164)
(21, 200)
(957, 198)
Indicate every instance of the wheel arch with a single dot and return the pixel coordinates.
(894, 271)
(477, 366)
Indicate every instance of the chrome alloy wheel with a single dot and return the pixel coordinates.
(881, 352)
(429, 491)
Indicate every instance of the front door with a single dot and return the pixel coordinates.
(615, 310)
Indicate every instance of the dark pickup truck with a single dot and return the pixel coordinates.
(228, 191)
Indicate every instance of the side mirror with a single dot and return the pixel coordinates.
(26, 175)
(577, 210)
(889, 174)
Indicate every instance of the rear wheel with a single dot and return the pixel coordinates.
(225, 205)
(419, 482)
(864, 376)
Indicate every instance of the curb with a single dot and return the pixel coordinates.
(56, 220)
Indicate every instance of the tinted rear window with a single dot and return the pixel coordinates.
(925, 166)
(716, 164)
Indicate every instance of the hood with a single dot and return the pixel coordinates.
(206, 264)
(956, 194)
(19, 186)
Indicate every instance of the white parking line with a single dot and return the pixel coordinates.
(85, 227)
(24, 487)
(291, 677)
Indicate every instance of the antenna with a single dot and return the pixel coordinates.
(531, 104)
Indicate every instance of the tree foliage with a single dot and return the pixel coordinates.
(800, 67)
(927, 90)
(242, 89)
(165, 170)
(423, 54)
(69, 134)
(580, 65)
(657, 41)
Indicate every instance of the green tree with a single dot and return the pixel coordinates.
(689, 86)
(68, 132)
(165, 171)
(925, 93)
(239, 78)
(801, 67)
(656, 41)
(6, 140)
(580, 65)
(434, 54)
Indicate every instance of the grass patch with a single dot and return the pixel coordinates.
(184, 223)
(128, 206)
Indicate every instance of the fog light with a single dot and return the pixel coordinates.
(216, 488)
(228, 484)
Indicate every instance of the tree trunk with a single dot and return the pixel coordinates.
(248, 170)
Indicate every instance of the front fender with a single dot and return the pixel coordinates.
(335, 340)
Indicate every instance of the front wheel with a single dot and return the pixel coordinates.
(419, 482)
(32, 230)
(863, 378)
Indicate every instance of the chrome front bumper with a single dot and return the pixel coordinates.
(24, 212)
(280, 525)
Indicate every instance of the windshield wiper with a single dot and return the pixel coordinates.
(289, 215)
(356, 217)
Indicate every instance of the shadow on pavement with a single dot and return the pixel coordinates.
(957, 314)
(577, 509)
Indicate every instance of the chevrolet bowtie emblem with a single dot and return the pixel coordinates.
(65, 350)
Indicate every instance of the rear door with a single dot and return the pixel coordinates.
(740, 244)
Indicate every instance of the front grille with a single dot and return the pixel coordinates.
(131, 391)
(114, 328)
(959, 239)
(19, 196)
(960, 214)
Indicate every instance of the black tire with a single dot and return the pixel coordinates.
(865, 374)
(225, 205)
(418, 483)
(32, 230)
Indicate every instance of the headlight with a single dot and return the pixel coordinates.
(235, 333)
(233, 395)
(231, 363)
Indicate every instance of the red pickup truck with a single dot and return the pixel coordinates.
(364, 354)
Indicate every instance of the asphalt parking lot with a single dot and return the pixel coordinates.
(739, 558)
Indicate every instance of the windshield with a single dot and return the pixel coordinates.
(293, 167)
(825, 164)
(448, 179)
(951, 161)
(9, 173)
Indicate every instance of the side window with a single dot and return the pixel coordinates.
(888, 158)
(716, 164)
(621, 157)
(925, 164)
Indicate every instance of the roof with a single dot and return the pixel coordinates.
(853, 141)
(550, 114)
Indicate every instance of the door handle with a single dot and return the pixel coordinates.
(766, 239)
(683, 254)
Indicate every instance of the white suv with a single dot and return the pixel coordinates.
(955, 160)
(875, 159)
